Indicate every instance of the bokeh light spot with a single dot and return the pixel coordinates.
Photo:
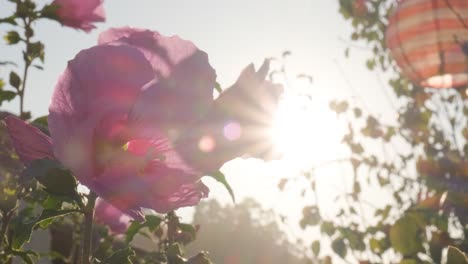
(206, 144)
(232, 131)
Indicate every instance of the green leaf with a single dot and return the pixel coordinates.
(356, 240)
(39, 67)
(132, 230)
(22, 229)
(151, 221)
(50, 214)
(219, 176)
(120, 256)
(21, 233)
(56, 179)
(15, 80)
(6, 96)
(455, 255)
(10, 20)
(339, 247)
(316, 247)
(42, 123)
(25, 255)
(404, 236)
(200, 258)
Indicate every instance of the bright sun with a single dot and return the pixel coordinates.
(306, 131)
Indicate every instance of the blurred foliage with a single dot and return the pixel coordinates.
(242, 233)
(21, 32)
(44, 194)
(419, 162)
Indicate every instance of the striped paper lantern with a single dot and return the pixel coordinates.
(425, 38)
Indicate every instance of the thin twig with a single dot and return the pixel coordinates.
(27, 25)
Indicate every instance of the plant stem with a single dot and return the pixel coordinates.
(172, 225)
(88, 229)
(27, 64)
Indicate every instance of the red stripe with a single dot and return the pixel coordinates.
(406, 34)
(427, 71)
(406, 11)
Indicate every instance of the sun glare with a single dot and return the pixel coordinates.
(305, 131)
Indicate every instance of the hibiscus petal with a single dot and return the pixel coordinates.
(186, 195)
(91, 100)
(80, 14)
(184, 89)
(29, 142)
(153, 176)
(107, 214)
(247, 107)
(114, 34)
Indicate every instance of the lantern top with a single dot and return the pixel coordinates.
(426, 38)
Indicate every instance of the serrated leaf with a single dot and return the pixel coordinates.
(21, 234)
(219, 176)
(22, 230)
(50, 214)
(120, 256)
(132, 230)
(151, 221)
(455, 255)
(55, 179)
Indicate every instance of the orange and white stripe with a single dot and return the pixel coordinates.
(424, 37)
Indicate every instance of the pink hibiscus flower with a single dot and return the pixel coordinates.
(129, 117)
(80, 14)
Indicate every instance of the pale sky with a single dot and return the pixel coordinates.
(234, 34)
